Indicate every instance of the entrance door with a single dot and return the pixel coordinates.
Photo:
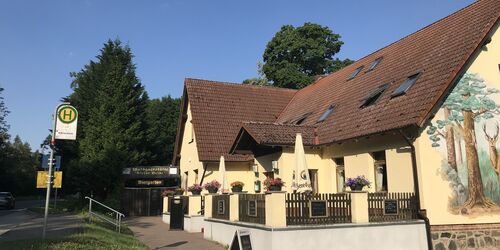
(313, 174)
(176, 213)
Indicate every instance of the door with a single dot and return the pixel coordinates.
(176, 213)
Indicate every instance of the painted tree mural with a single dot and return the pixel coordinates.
(468, 105)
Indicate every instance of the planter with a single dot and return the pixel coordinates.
(237, 189)
(356, 187)
(274, 188)
(179, 193)
(212, 190)
(196, 192)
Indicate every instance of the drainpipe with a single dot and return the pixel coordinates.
(416, 187)
(205, 165)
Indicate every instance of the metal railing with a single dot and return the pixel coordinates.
(116, 221)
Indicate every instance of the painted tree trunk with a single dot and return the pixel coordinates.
(476, 195)
(450, 143)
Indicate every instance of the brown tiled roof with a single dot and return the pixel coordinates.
(278, 134)
(439, 51)
(218, 109)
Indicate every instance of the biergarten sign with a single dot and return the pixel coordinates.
(66, 123)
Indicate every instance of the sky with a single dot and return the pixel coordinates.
(41, 42)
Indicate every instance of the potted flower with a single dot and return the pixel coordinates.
(357, 184)
(195, 189)
(274, 184)
(212, 186)
(237, 186)
(167, 192)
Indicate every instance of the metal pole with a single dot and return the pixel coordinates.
(49, 175)
(55, 198)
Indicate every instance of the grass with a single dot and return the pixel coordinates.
(95, 236)
(61, 208)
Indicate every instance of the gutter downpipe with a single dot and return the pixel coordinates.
(205, 165)
(420, 214)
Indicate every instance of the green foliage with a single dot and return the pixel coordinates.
(161, 117)
(17, 162)
(295, 55)
(470, 94)
(489, 177)
(4, 136)
(112, 106)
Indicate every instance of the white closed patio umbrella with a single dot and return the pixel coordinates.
(301, 180)
(222, 172)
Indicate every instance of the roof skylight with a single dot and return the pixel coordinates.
(374, 64)
(373, 97)
(327, 113)
(403, 88)
(355, 72)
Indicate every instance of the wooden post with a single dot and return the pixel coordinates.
(234, 205)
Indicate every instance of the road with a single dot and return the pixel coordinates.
(20, 223)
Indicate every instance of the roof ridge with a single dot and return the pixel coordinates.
(188, 79)
(279, 124)
(390, 44)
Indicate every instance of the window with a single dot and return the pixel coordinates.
(340, 170)
(355, 72)
(374, 95)
(380, 171)
(301, 119)
(401, 90)
(327, 113)
(374, 64)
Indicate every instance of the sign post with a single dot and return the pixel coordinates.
(65, 120)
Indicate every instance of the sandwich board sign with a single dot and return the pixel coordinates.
(241, 240)
(66, 120)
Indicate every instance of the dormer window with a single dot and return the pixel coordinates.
(403, 88)
(373, 97)
(300, 119)
(355, 72)
(374, 64)
(327, 113)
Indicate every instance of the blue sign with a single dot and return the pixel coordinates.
(45, 162)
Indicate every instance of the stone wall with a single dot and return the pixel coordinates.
(476, 236)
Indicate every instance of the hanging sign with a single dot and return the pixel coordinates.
(66, 121)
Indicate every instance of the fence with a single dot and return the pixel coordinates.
(305, 209)
(252, 208)
(220, 207)
(383, 207)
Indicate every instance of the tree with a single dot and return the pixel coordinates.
(112, 106)
(295, 55)
(469, 103)
(4, 136)
(161, 117)
(261, 80)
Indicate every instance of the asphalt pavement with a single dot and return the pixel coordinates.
(20, 223)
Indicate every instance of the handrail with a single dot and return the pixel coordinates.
(118, 218)
(86, 197)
